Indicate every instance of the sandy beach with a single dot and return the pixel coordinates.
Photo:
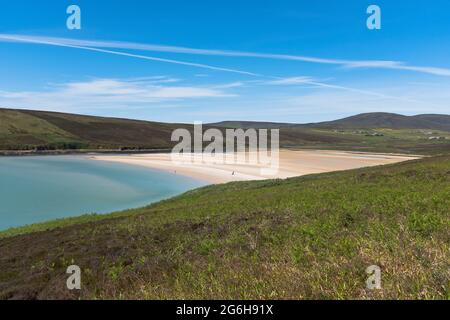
(291, 164)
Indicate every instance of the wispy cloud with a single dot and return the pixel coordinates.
(322, 105)
(110, 93)
(340, 102)
(292, 81)
(79, 43)
(305, 80)
(145, 90)
(236, 84)
(62, 42)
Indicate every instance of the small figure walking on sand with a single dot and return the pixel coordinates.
(232, 173)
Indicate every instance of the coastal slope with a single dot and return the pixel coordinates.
(310, 237)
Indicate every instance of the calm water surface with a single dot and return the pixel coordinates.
(36, 189)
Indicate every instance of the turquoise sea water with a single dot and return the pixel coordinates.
(37, 189)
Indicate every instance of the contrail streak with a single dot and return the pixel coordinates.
(376, 64)
(191, 64)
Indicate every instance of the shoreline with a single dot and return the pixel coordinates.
(292, 163)
(30, 153)
(213, 175)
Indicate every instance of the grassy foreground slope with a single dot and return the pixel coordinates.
(301, 238)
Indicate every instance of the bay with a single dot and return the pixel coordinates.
(38, 189)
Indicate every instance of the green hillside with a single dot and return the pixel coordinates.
(19, 130)
(40, 130)
(26, 129)
(301, 238)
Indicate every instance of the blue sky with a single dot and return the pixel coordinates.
(184, 61)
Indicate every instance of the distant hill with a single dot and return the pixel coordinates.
(360, 121)
(43, 131)
(391, 121)
(252, 124)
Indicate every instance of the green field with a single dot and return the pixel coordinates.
(301, 238)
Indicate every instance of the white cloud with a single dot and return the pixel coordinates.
(110, 93)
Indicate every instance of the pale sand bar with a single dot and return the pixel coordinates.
(292, 164)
